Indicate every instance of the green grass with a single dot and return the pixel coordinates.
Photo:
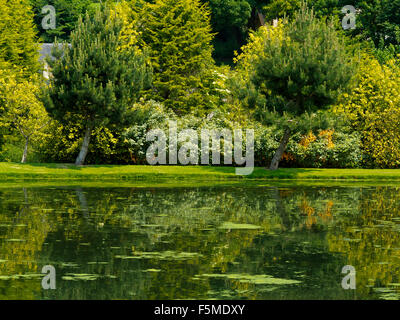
(13, 172)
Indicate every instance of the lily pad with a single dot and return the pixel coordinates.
(80, 276)
(238, 226)
(162, 255)
(252, 279)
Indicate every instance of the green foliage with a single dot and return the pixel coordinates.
(386, 53)
(18, 42)
(301, 67)
(12, 149)
(178, 36)
(288, 8)
(373, 108)
(229, 13)
(67, 15)
(330, 149)
(153, 115)
(96, 80)
(229, 20)
(20, 108)
(378, 20)
(306, 69)
(61, 143)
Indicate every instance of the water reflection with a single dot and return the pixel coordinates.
(200, 243)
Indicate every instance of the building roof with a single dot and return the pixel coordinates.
(45, 49)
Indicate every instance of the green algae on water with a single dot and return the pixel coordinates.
(252, 279)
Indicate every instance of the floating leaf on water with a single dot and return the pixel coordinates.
(69, 264)
(238, 226)
(80, 276)
(21, 276)
(163, 255)
(15, 240)
(152, 270)
(252, 279)
(384, 290)
(390, 296)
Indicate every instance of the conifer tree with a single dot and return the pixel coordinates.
(18, 48)
(94, 80)
(178, 36)
(301, 72)
(18, 41)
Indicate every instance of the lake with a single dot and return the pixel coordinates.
(221, 242)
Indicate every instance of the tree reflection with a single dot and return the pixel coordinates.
(302, 233)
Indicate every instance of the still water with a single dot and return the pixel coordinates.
(254, 242)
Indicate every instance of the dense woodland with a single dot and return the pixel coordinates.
(323, 96)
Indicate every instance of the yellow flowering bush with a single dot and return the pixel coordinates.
(374, 110)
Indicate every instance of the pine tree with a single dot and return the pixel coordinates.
(303, 71)
(94, 82)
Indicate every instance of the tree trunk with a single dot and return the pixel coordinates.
(80, 160)
(279, 153)
(25, 154)
(281, 209)
(83, 202)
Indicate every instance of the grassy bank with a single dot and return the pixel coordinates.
(49, 172)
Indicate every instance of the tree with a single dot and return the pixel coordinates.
(20, 105)
(18, 42)
(322, 8)
(178, 36)
(301, 70)
(229, 20)
(67, 15)
(95, 80)
(379, 21)
(373, 108)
